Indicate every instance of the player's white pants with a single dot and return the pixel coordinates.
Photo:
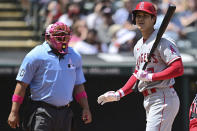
(161, 109)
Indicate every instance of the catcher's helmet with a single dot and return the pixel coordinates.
(59, 35)
(145, 7)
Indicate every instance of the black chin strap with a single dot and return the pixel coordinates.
(61, 56)
(55, 51)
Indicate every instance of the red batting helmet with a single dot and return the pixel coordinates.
(59, 35)
(145, 7)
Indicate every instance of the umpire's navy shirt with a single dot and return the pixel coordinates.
(51, 79)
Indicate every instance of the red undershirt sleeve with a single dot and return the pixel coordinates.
(127, 88)
(175, 69)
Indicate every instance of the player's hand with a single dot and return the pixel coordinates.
(13, 120)
(109, 96)
(143, 75)
(86, 116)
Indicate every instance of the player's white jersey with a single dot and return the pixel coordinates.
(165, 53)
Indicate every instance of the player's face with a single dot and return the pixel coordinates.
(144, 21)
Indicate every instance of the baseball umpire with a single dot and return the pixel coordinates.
(156, 82)
(53, 72)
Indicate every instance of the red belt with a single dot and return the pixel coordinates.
(150, 91)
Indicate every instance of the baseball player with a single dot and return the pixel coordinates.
(53, 72)
(156, 82)
(193, 115)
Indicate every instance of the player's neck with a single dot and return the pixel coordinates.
(146, 34)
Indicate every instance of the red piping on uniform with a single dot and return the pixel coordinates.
(162, 112)
(173, 60)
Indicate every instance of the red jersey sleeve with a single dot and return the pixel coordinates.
(175, 69)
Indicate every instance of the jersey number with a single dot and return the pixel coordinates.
(150, 70)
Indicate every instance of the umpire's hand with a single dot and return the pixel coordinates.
(86, 116)
(13, 119)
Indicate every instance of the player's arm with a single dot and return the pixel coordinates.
(111, 96)
(127, 88)
(81, 97)
(175, 69)
(17, 99)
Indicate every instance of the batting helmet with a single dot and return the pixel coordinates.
(145, 7)
(59, 35)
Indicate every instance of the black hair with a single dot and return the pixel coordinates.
(133, 17)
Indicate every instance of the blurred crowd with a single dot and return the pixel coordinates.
(105, 25)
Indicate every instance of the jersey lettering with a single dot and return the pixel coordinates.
(22, 73)
(150, 70)
(154, 58)
(141, 58)
(172, 49)
(144, 57)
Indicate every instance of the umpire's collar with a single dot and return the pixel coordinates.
(47, 47)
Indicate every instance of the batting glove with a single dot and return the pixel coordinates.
(143, 75)
(109, 96)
